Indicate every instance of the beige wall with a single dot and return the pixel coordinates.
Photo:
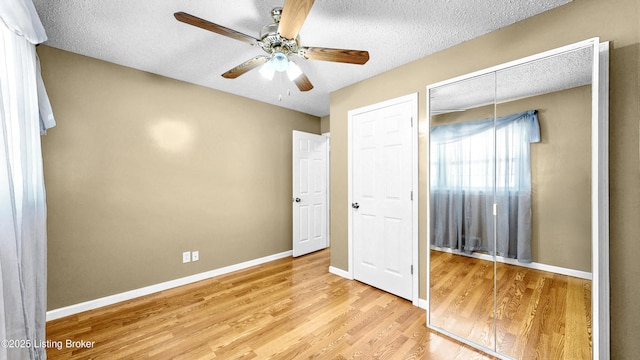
(612, 20)
(560, 173)
(141, 168)
(325, 124)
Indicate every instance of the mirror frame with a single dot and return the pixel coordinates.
(600, 348)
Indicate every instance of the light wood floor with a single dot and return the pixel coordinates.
(286, 309)
(539, 315)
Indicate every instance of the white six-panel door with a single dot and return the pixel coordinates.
(382, 228)
(309, 193)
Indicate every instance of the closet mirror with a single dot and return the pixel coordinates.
(518, 210)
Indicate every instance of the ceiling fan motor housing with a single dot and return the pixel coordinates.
(271, 41)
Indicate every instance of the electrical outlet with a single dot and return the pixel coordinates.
(195, 255)
(186, 257)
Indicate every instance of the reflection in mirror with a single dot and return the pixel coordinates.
(547, 310)
(462, 292)
(515, 143)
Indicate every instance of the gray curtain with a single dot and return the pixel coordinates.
(464, 221)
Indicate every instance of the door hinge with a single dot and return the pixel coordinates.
(412, 121)
(495, 209)
(411, 269)
(411, 195)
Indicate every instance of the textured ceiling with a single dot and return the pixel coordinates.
(143, 34)
(554, 73)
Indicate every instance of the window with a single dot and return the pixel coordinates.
(464, 156)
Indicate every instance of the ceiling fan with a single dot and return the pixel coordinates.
(280, 40)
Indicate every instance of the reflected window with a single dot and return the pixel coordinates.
(463, 155)
(477, 168)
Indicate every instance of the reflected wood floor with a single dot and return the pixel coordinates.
(286, 309)
(539, 315)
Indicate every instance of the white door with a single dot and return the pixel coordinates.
(309, 193)
(382, 196)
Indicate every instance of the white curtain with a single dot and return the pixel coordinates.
(475, 165)
(24, 113)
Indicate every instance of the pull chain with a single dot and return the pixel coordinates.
(281, 86)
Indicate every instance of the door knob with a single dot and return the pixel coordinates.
(355, 205)
(297, 200)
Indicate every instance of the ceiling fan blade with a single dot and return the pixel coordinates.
(303, 83)
(338, 55)
(294, 13)
(219, 29)
(245, 67)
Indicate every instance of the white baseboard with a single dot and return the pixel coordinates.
(422, 303)
(533, 265)
(128, 295)
(340, 272)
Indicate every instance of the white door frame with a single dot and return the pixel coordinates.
(328, 186)
(412, 98)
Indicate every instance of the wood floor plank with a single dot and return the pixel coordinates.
(295, 309)
(539, 315)
(290, 308)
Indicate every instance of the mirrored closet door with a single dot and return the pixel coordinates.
(461, 200)
(518, 206)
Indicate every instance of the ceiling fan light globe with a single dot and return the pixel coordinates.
(267, 71)
(293, 71)
(279, 61)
